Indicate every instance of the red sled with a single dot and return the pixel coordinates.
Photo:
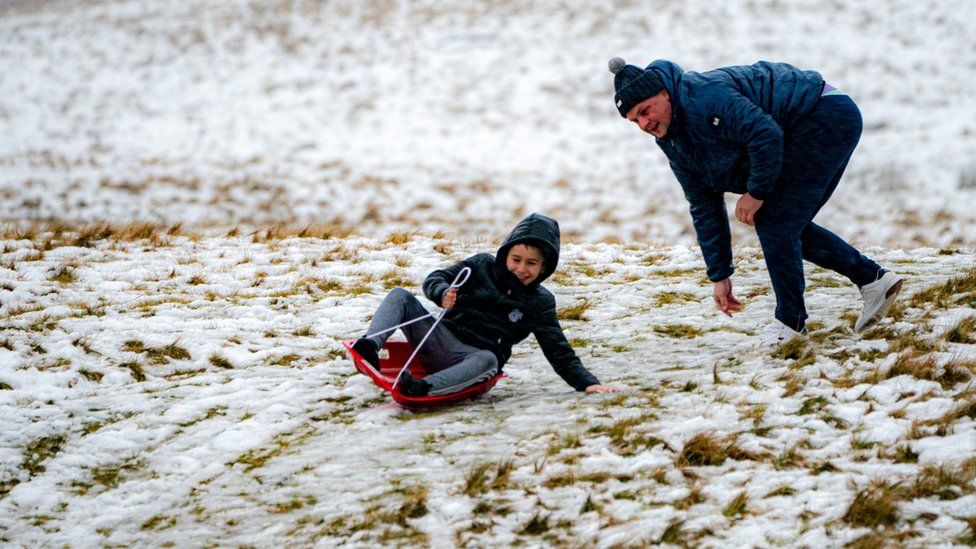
(391, 362)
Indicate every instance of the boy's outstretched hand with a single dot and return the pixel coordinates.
(601, 389)
(449, 299)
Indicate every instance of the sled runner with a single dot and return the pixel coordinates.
(398, 352)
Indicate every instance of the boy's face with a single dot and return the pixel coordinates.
(525, 262)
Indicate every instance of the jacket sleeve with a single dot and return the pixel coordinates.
(559, 352)
(711, 221)
(746, 123)
(437, 282)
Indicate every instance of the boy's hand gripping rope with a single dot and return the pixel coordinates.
(459, 281)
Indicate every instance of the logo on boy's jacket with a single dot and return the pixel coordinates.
(515, 315)
(714, 120)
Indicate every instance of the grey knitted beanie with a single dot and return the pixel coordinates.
(632, 85)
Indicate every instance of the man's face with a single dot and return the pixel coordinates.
(653, 115)
(524, 262)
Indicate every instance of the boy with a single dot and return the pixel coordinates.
(501, 303)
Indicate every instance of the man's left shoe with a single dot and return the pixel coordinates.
(777, 334)
(878, 298)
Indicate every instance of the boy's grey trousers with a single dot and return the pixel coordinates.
(451, 365)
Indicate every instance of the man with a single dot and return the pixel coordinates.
(779, 136)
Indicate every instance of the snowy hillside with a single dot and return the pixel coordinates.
(424, 113)
(202, 199)
(166, 389)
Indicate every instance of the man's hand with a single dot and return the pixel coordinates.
(449, 299)
(601, 389)
(724, 300)
(746, 208)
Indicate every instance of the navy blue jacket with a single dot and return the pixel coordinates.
(726, 135)
(494, 310)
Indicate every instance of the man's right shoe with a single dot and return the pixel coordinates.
(368, 350)
(878, 297)
(412, 387)
(777, 334)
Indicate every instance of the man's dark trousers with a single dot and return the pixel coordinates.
(815, 154)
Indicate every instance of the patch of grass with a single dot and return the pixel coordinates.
(823, 282)
(625, 438)
(676, 273)
(396, 279)
(590, 506)
(875, 505)
(91, 375)
(673, 534)
(567, 441)
(216, 359)
(812, 405)
(304, 331)
(285, 360)
(578, 342)
(958, 290)
(326, 285)
(945, 482)
(678, 331)
(914, 364)
(694, 497)
(667, 298)
(706, 449)
(790, 458)
(756, 292)
(157, 355)
(63, 276)
(575, 312)
(258, 457)
(400, 237)
(111, 475)
(158, 522)
(295, 503)
(784, 490)
(138, 372)
(963, 332)
(794, 349)
(537, 525)
(476, 481)
(41, 450)
(570, 478)
(738, 506)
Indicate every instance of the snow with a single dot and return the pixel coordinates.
(191, 389)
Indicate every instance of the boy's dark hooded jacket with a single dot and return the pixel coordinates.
(494, 310)
(726, 135)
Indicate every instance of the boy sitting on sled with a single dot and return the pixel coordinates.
(500, 305)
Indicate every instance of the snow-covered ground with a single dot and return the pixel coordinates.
(373, 114)
(195, 391)
(184, 383)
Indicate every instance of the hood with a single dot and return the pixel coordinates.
(536, 229)
(670, 74)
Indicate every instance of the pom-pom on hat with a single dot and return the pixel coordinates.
(632, 85)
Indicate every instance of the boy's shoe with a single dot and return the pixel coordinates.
(412, 387)
(878, 297)
(368, 350)
(777, 334)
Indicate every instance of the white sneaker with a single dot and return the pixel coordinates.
(878, 297)
(776, 334)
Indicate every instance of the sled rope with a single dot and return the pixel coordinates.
(459, 281)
